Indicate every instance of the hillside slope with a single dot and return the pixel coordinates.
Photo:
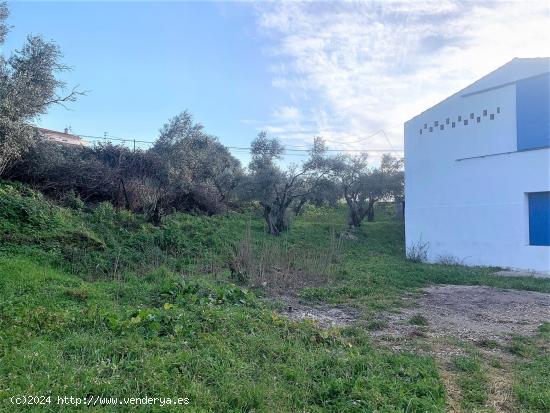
(100, 303)
(73, 325)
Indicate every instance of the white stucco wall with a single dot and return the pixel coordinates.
(474, 210)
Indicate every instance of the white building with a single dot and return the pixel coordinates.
(64, 138)
(477, 171)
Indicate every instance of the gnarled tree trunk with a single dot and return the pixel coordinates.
(370, 210)
(275, 218)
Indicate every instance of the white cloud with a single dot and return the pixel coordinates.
(354, 68)
(287, 114)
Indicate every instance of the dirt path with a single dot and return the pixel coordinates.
(445, 321)
(471, 313)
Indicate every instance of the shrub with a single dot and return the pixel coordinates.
(544, 328)
(27, 209)
(418, 252)
(186, 170)
(449, 260)
(72, 200)
(375, 325)
(104, 212)
(418, 320)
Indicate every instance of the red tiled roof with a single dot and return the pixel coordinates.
(62, 137)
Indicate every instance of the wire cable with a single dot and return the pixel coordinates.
(288, 151)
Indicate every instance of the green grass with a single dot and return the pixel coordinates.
(215, 343)
(544, 330)
(99, 302)
(532, 371)
(532, 381)
(418, 320)
(374, 325)
(472, 381)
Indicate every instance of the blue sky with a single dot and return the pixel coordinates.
(144, 63)
(343, 70)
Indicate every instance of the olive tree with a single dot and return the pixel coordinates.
(277, 189)
(199, 171)
(28, 86)
(363, 186)
(385, 182)
(326, 192)
(186, 170)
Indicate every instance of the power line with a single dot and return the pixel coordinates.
(329, 150)
(112, 138)
(248, 149)
(361, 140)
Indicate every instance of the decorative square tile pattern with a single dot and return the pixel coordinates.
(465, 122)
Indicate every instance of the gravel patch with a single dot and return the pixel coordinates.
(472, 313)
(324, 315)
(445, 321)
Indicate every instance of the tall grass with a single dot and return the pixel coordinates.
(276, 263)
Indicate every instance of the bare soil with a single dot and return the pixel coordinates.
(471, 313)
(326, 316)
(457, 319)
(454, 320)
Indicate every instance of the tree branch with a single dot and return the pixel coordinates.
(70, 97)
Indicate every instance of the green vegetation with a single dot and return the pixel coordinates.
(532, 383)
(418, 320)
(376, 325)
(472, 381)
(544, 330)
(533, 370)
(100, 302)
(214, 343)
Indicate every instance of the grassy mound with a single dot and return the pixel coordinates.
(100, 303)
(215, 344)
(94, 303)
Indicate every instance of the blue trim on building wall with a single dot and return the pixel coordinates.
(533, 112)
(539, 218)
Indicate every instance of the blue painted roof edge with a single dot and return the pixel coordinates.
(460, 92)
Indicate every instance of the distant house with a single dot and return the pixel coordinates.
(477, 171)
(64, 137)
